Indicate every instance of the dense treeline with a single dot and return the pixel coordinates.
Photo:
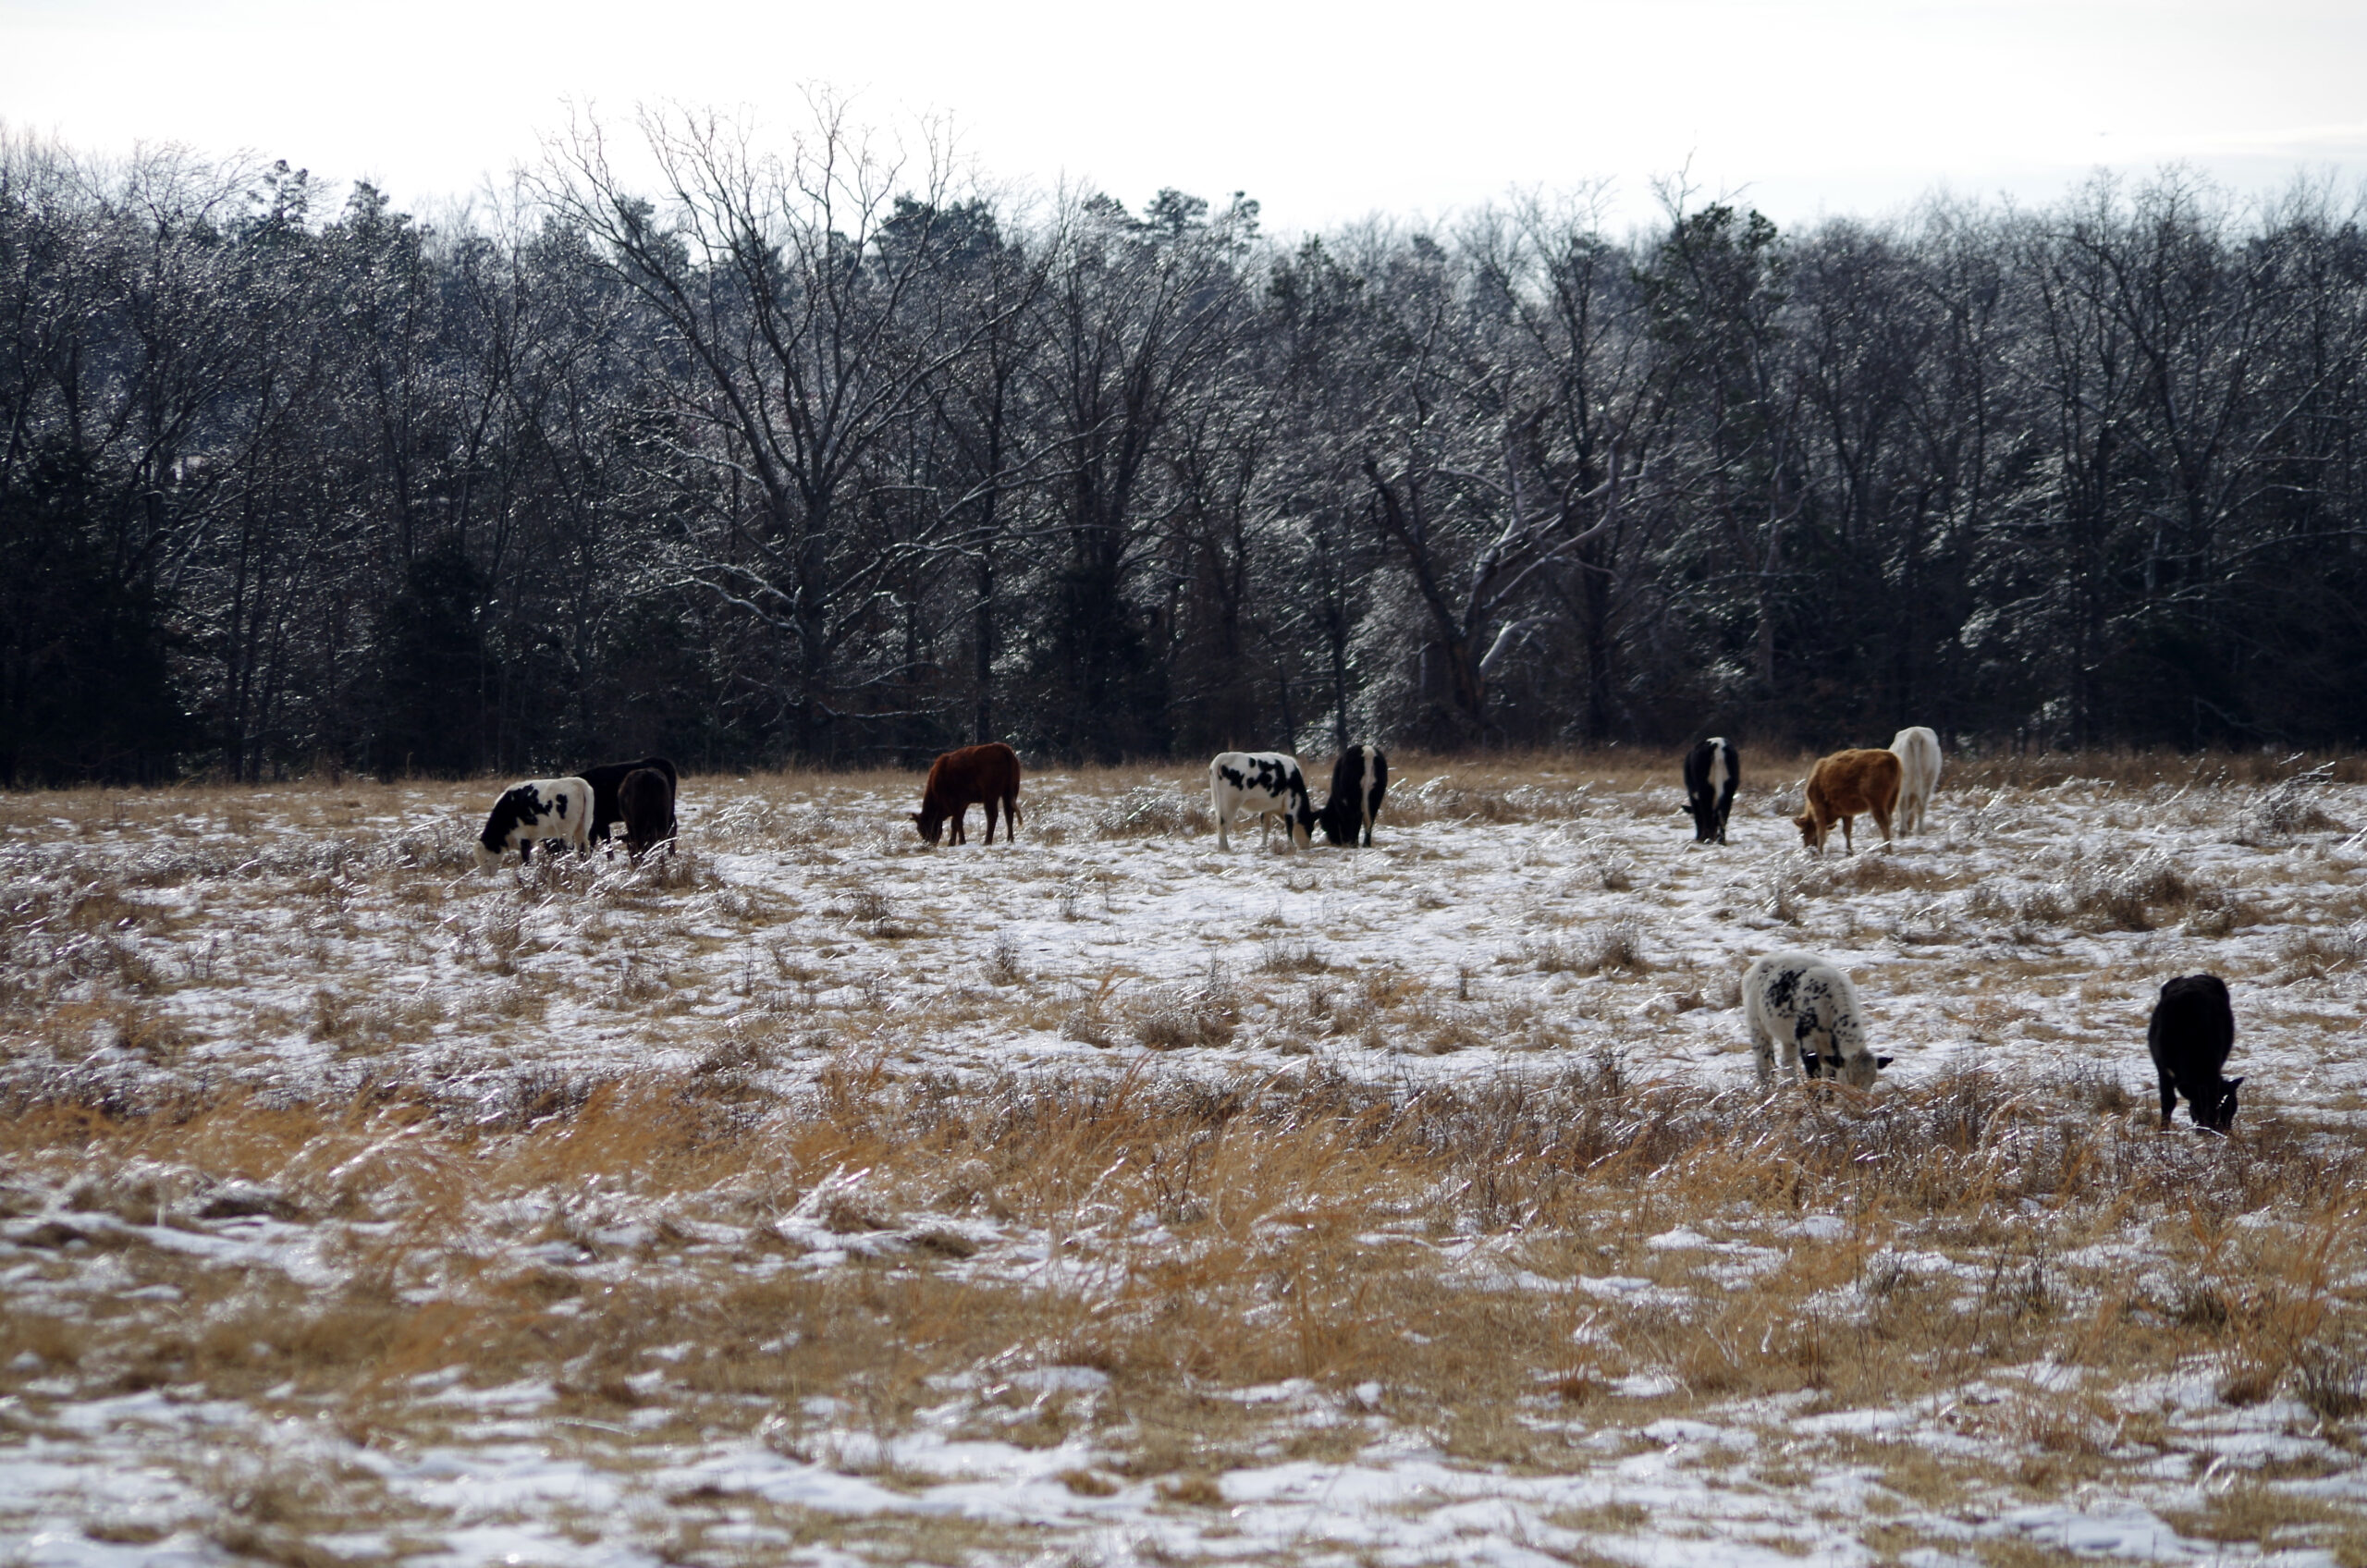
(820, 455)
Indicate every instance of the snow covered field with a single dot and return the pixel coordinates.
(815, 1193)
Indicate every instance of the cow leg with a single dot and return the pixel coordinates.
(525, 851)
(2169, 1098)
(1222, 842)
(1849, 844)
(1881, 820)
(961, 831)
(991, 805)
(1815, 1063)
(1762, 1053)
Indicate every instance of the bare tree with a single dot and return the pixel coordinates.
(791, 347)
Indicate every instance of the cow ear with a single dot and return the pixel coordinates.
(2233, 1082)
(1882, 1062)
(912, 816)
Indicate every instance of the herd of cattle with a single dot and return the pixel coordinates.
(1797, 1004)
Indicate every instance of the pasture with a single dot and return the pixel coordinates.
(815, 1194)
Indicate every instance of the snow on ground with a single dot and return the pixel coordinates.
(292, 949)
(303, 941)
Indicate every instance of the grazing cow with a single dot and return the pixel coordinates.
(646, 797)
(1358, 780)
(2189, 1036)
(987, 775)
(1842, 785)
(606, 807)
(1918, 750)
(558, 809)
(1712, 771)
(1264, 785)
(1804, 1007)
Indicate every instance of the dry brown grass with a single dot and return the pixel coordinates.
(1229, 1235)
(2132, 769)
(1269, 1183)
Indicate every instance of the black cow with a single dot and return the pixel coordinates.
(2192, 1032)
(1358, 780)
(1712, 771)
(646, 797)
(606, 807)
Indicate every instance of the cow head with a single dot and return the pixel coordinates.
(487, 856)
(930, 823)
(1812, 836)
(1857, 1071)
(2221, 1117)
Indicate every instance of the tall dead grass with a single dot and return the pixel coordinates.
(1561, 1154)
(666, 1254)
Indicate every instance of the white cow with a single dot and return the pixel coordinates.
(1918, 750)
(549, 809)
(1264, 785)
(1804, 1007)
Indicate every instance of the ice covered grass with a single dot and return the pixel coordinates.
(813, 1193)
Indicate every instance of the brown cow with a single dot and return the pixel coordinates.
(1842, 785)
(986, 776)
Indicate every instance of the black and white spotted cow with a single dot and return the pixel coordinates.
(1264, 785)
(552, 810)
(1358, 780)
(1711, 770)
(1804, 1007)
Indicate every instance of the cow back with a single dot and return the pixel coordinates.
(1848, 782)
(970, 776)
(647, 800)
(606, 778)
(2194, 1024)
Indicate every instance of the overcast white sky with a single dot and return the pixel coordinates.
(1323, 112)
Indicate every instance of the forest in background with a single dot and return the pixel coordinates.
(826, 452)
